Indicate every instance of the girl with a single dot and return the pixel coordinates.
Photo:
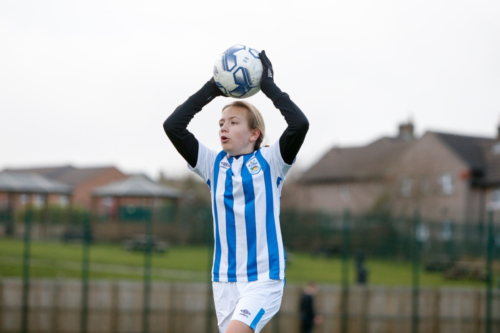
(245, 182)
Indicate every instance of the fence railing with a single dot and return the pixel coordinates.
(460, 250)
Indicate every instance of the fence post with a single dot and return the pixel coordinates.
(85, 274)
(416, 271)
(114, 308)
(1, 306)
(28, 216)
(489, 272)
(346, 240)
(209, 239)
(10, 223)
(56, 306)
(147, 275)
(450, 246)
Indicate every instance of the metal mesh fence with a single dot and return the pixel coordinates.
(401, 254)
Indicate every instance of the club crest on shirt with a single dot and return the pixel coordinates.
(253, 166)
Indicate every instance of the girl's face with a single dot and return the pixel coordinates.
(235, 136)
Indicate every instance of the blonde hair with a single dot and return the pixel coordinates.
(254, 118)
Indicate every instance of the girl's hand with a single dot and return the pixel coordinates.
(267, 72)
(216, 90)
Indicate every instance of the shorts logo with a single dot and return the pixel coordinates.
(224, 165)
(245, 313)
(253, 166)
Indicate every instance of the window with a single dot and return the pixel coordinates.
(446, 183)
(496, 148)
(344, 193)
(422, 233)
(108, 201)
(406, 186)
(495, 197)
(24, 199)
(63, 200)
(446, 232)
(39, 200)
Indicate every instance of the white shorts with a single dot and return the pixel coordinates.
(253, 303)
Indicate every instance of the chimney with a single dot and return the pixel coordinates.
(406, 131)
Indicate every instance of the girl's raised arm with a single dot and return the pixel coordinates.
(292, 138)
(176, 125)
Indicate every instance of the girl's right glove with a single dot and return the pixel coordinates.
(215, 90)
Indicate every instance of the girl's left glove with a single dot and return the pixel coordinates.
(267, 71)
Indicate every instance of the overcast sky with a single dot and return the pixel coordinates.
(90, 83)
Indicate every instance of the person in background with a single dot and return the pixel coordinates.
(308, 316)
(361, 270)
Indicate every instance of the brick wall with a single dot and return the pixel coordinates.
(83, 192)
(425, 162)
(337, 197)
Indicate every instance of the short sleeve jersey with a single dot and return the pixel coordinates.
(245, 194)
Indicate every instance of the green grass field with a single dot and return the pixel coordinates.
(49, 260)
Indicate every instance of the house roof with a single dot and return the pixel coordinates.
(469, 148)
(372, 161)
(357, 163)
(77, 176)
(28, 182)
(48, 172)
(136, 186)
(65, 174)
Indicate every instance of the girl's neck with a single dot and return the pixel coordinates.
(246, 151)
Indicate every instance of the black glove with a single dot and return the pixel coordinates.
(216, 90)
(267, 71)
(206, 94)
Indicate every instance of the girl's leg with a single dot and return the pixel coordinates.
(225, 298)
(236, 326)
(258, 303)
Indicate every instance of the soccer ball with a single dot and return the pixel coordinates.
(237, 71)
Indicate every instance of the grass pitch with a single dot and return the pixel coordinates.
(110, 261)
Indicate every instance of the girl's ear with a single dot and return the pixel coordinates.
(255, 135)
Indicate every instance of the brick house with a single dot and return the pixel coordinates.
(447, 176)
(83, 180)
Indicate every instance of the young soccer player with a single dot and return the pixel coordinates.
(245, 181)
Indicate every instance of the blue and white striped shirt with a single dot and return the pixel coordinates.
(245, 195)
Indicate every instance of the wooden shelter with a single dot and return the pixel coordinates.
(133, 192)
(13, 184)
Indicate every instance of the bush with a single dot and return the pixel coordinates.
(55, 214)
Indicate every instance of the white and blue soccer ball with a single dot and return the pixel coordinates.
(237, 71)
